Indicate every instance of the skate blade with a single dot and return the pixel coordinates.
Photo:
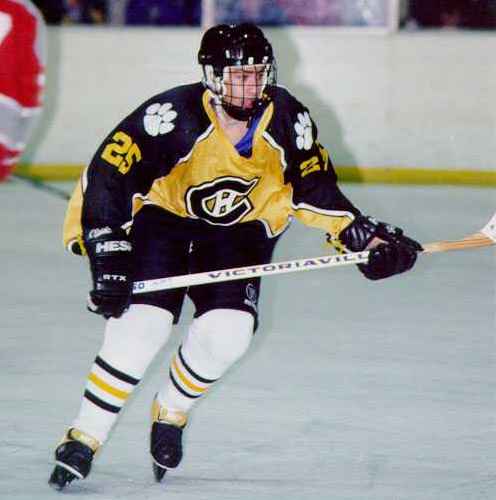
(158, 472)
(60, 478)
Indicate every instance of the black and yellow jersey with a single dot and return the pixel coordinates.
(172, 152)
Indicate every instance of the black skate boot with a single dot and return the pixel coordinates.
(165, 439)
(73, 458)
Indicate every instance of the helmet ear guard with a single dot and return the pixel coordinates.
(212, 81)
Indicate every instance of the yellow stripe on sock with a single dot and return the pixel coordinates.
(108, 388)
(184, 380)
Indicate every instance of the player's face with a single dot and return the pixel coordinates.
(243, 85)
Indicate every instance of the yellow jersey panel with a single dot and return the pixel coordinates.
(72, 232)
(215, 183)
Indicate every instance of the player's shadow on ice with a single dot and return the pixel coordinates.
(291, 73)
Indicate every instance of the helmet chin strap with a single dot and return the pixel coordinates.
(242, 114)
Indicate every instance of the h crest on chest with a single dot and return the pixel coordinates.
(223, 201)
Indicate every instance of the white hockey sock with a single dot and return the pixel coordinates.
(130, 344)
(215, 341)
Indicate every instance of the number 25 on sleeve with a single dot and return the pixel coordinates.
(122, 153)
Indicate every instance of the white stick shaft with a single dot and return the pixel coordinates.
(239, 273)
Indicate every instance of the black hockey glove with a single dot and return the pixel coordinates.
(397, 255)
(388, 259)
(110, 254)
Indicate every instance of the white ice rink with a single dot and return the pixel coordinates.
(352, 390)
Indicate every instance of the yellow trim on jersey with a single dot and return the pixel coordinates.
(107, 387)
(332, 223)
(73, 229)
(185, 380)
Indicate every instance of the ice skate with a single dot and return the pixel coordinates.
(166, 439)
(73, 458)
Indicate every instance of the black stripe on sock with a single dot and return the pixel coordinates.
(116, 373)
(180, 389)
(191, 372)
(102, 404)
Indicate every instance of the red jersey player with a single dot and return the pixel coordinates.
(21, 78)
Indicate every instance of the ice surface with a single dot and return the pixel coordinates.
(352, 389)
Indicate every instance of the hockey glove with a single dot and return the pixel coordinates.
(110, 255)
(396, 255)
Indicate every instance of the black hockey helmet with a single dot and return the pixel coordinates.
(235, 45)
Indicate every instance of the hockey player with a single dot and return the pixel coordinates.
(200, 177)
(22, 32)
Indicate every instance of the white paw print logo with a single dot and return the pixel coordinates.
(303, 127)
(159, 118)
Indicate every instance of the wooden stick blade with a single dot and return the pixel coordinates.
(477, 240)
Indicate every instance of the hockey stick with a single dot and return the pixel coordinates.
(486, 237)
(238, 273)
(477, 240)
